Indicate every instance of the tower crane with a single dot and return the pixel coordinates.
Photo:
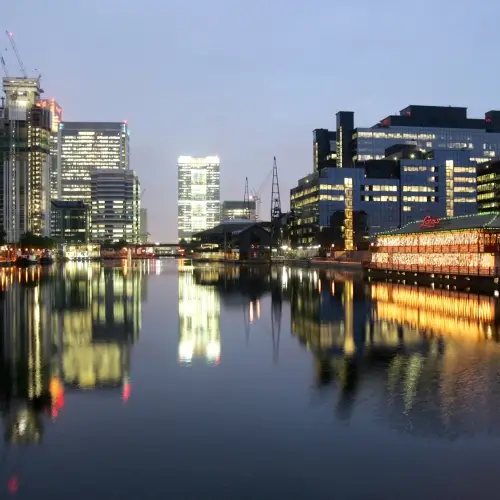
(10, 36)
(4, 66)
(256, 195)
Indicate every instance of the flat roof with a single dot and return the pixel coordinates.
(488, 221)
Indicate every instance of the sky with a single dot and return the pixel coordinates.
(249, 80)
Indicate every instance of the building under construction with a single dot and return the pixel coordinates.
(25, 128)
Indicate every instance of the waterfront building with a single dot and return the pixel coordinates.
(427, 128)
(25, 128)
(488, 186)
(115, 205)
(238, 210)
(143, 226)
(198, 195)
(237, 239)
(412, 165)
(324, 149)
(84, 146)
(56, 113)
(453, 245)
(69, 221)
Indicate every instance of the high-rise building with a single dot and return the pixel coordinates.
(143, 226)
(115, 205)
(419, 163)
(198, 195)
(69, 221)
(83, 146)
(25, 128)
(57, 117)
(488, 186)
(238, 210)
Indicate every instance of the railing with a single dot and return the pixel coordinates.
(453, 270)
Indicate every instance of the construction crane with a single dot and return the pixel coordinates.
(10, 36)
(256, 195)
(4, 65)
(275, 194)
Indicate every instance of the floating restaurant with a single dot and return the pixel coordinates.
(466, 246)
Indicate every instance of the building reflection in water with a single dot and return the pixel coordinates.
(428, 356)
(64, 329)
(98, 320)
(199, 316)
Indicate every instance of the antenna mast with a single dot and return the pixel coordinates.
(246, 201)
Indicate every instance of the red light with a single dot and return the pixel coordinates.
(13, 485)
(126, 392)
(125, 122)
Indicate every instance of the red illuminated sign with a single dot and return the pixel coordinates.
(429, 222)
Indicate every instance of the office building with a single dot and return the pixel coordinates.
(83, 146)
(426, 128)
(421, 162)
(488, 186)
(238, 210)
(115, 205)
(69, 221)
(143, 226)
(57, 117)
(403, 187)
(324, 149)
(25, 160)
(198, 195)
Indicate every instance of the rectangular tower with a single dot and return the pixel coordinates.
(83, 146)
(24, 160)
(115, 200)
(198, 195)
(57, 117)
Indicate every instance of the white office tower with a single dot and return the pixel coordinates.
(198, 195)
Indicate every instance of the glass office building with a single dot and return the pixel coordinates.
(83, 146)
(420, 163)
(57, 117)
(115, 206)
(198, 195)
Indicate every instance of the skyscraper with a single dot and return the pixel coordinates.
(57, 117)
(24, 160)
(83, 146)
(115, 212)
(198, 195)
(143, 226)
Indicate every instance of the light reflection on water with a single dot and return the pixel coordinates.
(298, 365)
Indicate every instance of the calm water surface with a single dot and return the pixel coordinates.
(165, 382)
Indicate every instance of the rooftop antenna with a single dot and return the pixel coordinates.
(246, 201)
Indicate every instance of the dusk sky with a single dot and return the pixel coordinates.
(249, 80)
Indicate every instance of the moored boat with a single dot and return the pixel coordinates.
(27, 260)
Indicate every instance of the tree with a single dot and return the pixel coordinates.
(30, 240)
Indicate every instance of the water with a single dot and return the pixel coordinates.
(153, 382)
